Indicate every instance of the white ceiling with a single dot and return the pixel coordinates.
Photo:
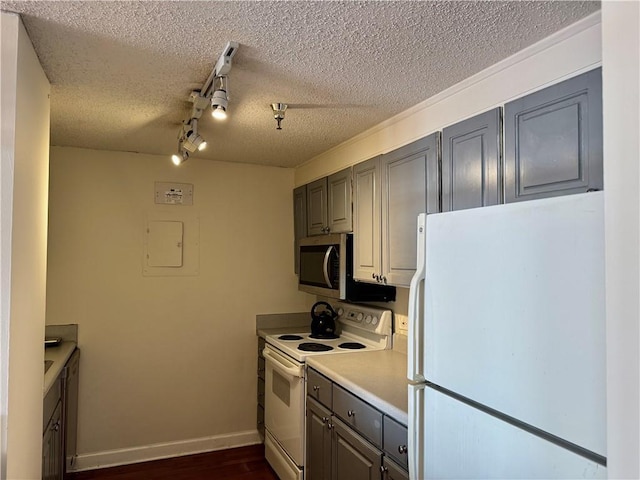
(121, 72)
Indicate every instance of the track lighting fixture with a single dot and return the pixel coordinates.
(278, 113)
(214, 92)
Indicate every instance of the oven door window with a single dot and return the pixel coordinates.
(281, 388)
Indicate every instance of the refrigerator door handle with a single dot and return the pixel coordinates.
(416, 434)
(415, 350)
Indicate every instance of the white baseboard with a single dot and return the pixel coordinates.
(112, 458)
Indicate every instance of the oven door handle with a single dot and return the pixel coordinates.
(273, 360)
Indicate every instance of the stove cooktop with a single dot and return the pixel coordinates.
(359, 329)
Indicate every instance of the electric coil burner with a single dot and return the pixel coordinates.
(352, 345)
(314, 347)
(289, 337)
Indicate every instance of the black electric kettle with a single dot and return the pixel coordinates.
(323, 321)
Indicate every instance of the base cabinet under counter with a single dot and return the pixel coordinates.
(346, 438)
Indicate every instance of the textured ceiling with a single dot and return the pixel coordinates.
(121, 72)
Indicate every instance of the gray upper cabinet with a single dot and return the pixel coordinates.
(553, 140)
(299, 221)
(317, 207)
(410, 185)
(329, 204)
(366, 220)
(471, 163)
(389, 192)
(339, 209)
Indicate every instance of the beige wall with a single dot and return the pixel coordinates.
(166, 358)
(25, 156)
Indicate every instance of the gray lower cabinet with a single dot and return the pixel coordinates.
(299, 222)
(329, 208)
(389, 192)
(353, 457)
(471, 162)
(345, 436)
(260, 388)
(393, 471)
(52, 454)
(318, 437)
(553, 140)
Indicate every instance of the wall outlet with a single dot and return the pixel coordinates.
(402, 322)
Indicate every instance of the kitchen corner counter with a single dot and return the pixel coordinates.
(59, 356)
(379, 378)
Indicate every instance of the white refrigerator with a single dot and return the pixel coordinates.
(506, 358)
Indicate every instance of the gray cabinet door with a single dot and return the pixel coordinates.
(299, 222)
(471, 163)
(393, 471)
(553, 140)
(317, 207)
(366, 220)
(339, 211)
(318, 465)
(410, 185)
(353, 457)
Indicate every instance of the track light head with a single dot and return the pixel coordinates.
(179, 158)
(219, 103)
(192, 140)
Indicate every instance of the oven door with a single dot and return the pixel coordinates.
(284, 403)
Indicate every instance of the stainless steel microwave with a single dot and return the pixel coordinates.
(326, 269)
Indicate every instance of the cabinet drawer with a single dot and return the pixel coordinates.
(395, 441)
(260, 391)
(358, 415)
(260, 346)
(319, 387)
(261, 368)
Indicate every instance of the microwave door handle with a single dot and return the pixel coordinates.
(325, 267)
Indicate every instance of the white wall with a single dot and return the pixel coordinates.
(166, 359)
(621, 107)
(573, 50)
(23, 248)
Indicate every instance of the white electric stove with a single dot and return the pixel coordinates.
(359, 329)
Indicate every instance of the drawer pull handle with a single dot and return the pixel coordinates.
(351, 413)
(325, 419)
(383, 469)
(316, 388)
(329, 426)
(402, 449)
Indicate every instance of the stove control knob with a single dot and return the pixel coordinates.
(367, 319)
(360, 317)
(340, 311)
(374, 321)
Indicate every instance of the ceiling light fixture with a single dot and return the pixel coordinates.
(189, 140)
(278, 113)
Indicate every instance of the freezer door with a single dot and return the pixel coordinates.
(515, 312)
(462, 442)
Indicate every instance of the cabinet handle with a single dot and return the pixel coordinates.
(328, 229)
(325, 419)
(350, 413)
(329, 426)
(383, 469)
(384, 280)
(402, 449)
(373, 275)
(55, 427)
(316, 388)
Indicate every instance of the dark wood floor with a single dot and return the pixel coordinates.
(245, 463)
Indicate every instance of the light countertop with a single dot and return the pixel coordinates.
(379, 378)
(59, 356)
